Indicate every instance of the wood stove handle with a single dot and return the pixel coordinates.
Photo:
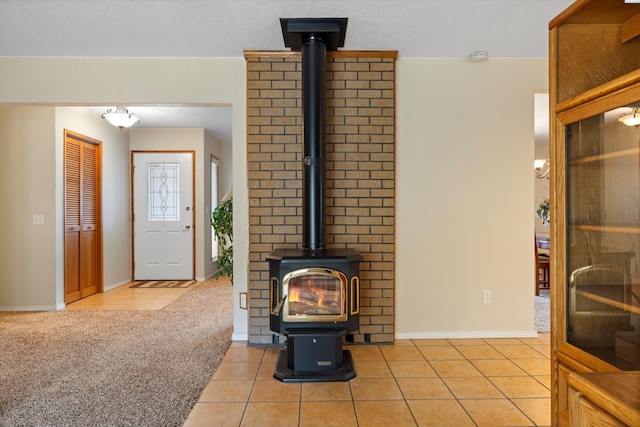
(274, 293)
(277, 308)
(355, 295)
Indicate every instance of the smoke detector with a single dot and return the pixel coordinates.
(479, 56)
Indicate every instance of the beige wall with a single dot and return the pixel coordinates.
(27, 251)
(465, 144)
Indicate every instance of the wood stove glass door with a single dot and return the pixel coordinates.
(315, 295)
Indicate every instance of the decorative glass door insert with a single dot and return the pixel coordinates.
(163, 191)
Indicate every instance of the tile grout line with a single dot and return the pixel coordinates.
(466, 411)
(528, 375)
(253, 385)
(395, 379)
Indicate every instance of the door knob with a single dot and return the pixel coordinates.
(188, 226)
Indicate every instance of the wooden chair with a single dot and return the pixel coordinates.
(598, 295)
(542, 269)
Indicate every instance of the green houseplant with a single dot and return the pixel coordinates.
(544, 212)
(222, 223)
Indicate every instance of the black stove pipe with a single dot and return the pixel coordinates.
(313, 37)
(314, 69)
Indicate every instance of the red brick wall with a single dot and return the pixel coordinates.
(360, 171)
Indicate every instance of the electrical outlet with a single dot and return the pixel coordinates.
(243, 300)
(486, 297)
(38, 219)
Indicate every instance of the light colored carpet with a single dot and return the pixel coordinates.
(113, 368)
(542, 312)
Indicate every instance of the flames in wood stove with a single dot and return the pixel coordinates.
(314, 291)
(315, 294)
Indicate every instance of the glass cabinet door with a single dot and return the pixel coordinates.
(602, 241)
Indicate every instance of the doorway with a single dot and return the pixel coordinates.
(214, 204)
(541, 231)
(163, 219)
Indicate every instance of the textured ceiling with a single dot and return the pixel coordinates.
(225, 28)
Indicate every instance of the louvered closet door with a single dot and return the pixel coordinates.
(83, 243)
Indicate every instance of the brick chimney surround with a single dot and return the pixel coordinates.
(360, 176)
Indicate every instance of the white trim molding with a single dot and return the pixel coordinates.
(466, 334)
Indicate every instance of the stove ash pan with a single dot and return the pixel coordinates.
(314, 291)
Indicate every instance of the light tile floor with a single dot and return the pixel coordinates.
(421, 382)
(431, 382)
(126, 298)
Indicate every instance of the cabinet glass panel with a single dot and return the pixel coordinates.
(602, 214)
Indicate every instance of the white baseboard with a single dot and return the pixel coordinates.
(441, 335)
(466, 334)
(29, 307)
(116, 285)
(239, 337)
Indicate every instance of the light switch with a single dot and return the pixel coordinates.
(38, 219)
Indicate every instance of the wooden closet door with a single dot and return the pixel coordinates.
(83, 243)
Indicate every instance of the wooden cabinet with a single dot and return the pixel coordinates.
(604, 399)
(595, 230)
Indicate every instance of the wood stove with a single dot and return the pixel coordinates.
(314, 291)
(314, 303)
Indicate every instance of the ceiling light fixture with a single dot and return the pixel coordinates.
(631, 119)
(542, 168)
(121, 117)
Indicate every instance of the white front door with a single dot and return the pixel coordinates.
(163, 216)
